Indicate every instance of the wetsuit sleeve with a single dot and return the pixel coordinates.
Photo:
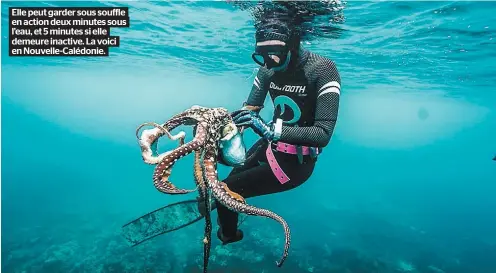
(258, 91)
(328, 86)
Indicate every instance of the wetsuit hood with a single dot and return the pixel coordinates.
(287, 53)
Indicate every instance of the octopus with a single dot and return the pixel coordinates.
(211, 127)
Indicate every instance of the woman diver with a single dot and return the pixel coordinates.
(305, 89)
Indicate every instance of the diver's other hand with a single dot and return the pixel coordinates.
(251, 119)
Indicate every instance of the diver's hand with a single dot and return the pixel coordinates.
(235, 114)
(251, 119)
(246, 107)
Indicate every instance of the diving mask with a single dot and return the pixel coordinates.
(271, 56)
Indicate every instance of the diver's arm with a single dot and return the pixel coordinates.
(326, 112)
(256, 99)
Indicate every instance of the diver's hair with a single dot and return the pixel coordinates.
(279, 18)
(279, 22)
(298, 19)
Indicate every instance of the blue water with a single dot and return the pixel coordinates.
(407, 183)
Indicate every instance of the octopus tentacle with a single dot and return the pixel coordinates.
(234, 195)
(164, 168)
(205, 196)
(150, 137)
(211, 126)
(233, 202)
(181, 135)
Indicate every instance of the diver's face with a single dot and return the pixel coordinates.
(272, 54)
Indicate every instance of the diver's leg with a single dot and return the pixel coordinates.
(257, 181)
(253, 156)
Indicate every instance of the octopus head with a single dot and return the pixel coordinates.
(232, 147)
(221, 114)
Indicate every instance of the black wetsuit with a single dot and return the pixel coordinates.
(306, 98)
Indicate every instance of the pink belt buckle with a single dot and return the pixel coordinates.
(276, 169)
